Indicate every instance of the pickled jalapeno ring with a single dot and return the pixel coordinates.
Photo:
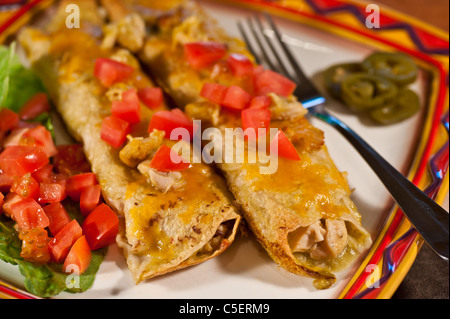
(362, 92)
(334, 76)
(396, 67)
(405, 106)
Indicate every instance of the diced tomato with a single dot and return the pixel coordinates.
(114, 131)
(236, 98)
(101, 227)
(2, 200)
(9, 200)
(15, 137)
(258, 70)
(28, 214)
(44, 174)
(268, 81)
(70, 160)
(214, 92)
(54, 192)
(240, 64)
(152, 97)
(6, 181)
(109, 71)
(79, 257)
(255, 119)
(35, 245)
(167, 121)
(179, 113)
(2, 138)
(37, 105)
(260, 102)
(75, 184)
(26, 186)
(40, 136)
(129, 108)
(285, 148)
(90, 198)
(167, 160)
(20, 160)
(202, 54)
(8, 120)
(60, 244)
(57, 216)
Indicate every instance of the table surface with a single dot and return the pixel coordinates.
(433, 12)
(428, 277)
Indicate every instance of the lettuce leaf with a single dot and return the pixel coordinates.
(17, 86)
(7, 59)
(17, 83)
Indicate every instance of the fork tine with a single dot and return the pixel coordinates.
(298, 71)
(248, 43)
(283, 68)
(260, 44)
(306, 91)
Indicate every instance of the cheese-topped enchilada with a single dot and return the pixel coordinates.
(171, 218)
(302, 212)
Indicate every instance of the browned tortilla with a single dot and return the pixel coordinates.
(302, 214)
(161, 231)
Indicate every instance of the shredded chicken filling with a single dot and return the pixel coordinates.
(164, 181)
(283, 108)
(138, 154)
(223, 231)
(322, 239)
(129, 32)
(140, 149)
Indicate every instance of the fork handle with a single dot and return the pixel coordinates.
(428, 218)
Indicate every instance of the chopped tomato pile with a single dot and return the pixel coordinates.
(37, 177)
(127, 111)
(253, 106)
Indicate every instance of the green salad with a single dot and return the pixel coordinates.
(18, 85)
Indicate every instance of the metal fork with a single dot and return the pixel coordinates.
(428, 218)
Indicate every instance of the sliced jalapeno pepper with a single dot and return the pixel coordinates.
(362, 92)
(334, 76)
(399, 68)
(406, 105)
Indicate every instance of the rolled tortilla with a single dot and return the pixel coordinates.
(192, 218)
(302, 214)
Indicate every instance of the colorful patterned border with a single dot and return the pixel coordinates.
(396, 247)
(9, 292)
(425, 41)
(396, 250)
